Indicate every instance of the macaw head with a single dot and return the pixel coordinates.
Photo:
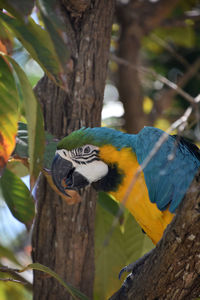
(82, 158)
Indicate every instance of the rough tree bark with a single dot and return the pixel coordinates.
(63, 235)
(137, 19)
(172, 271)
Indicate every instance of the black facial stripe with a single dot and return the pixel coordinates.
(76, 154)
(94, 152)
(93, 159)
(86, 157)
(85, 162)
(79, 162)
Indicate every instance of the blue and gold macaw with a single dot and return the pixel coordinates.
(108, 159)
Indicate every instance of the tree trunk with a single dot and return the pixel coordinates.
(137, 19)
(129, 85)
(171, 271)
(63, 235)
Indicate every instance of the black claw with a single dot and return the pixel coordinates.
(121, 272)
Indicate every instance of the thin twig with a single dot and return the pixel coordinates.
(12, 280)
(155, 75)
(5, 269)
(17, 277)
(170, 49)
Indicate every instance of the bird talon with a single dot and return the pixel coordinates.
(127, 283)
(121, 272)
(128, 268)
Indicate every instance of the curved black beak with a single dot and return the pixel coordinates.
(65, 177)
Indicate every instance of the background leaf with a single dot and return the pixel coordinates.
(38, 43)
(106, 201)
(35, 123)
(115, 249)
(18, 167)
(55, 27)
(9, 104)
(18, 197)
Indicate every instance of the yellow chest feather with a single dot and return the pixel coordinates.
(151, 219)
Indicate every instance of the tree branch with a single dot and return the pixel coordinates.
(172, 270)
(17, 277)
(165, 97)
(157, 76)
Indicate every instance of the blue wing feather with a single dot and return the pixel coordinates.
(167, 179)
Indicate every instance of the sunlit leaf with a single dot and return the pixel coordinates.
(18, 197)
(6, 40)
(147, 105)
(35, 123)
(14, 291)
(76, 294)
(162, 123)
(18, 167)
(183, 36)
(38, 43)
(2, 47)
(9, 103)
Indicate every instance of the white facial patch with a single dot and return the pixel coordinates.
(93, 171)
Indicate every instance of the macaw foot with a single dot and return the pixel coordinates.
(133, 268)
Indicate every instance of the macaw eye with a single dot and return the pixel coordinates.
(87, 150)
(64, 152)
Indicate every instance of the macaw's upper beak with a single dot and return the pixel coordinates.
(65, 177)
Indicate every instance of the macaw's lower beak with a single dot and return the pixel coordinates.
(65, 177)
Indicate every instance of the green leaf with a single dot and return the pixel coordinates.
(72, 291)
(56, 28)
(38, 43)
(109, 257)
(18, 168)
(18, 197)
(9, 112)
(135, 242)
(35, 123)
(21, 148)
(107, 202)
(114, 249)
(20, 8)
